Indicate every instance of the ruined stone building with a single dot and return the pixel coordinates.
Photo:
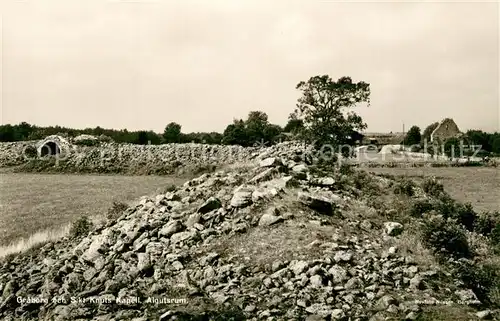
(51, 146)
(446, 129)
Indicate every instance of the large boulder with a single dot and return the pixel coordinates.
(171, 228)
(242, 197)
(318, 202)
(270, 162)
(270, 218)
(211, 204)
(393, 228)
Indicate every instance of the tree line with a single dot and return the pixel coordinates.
(256, 129)
(323, 115)
(489, 142)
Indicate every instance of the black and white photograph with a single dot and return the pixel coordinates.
(198, 160)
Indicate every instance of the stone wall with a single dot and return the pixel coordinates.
(128, 158)
(148, 159)
(14, 153)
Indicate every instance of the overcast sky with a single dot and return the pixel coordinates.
(142, 64)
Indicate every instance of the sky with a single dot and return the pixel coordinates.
(142, 64)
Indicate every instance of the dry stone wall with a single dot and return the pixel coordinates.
(15, 153)
(127, 158)
(169, 158)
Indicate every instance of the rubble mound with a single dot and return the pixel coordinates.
(85, 139)
(92, 156)
(14, 153)
(271, 239)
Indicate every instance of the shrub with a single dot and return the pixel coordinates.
(363, 181)
(170, 188)
(485, 223)
(495, 235)
(432, 187)
(465, 215)
(405, 187)
(421, 207)
(483, 279)
(116, 210)
(80, 227)
(445, 238)
(462, 213)
(104, 138)
(86, 142)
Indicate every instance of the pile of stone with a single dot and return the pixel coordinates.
(14, 153)
(183, 246)
(138, 159)
(85, 139)
(166, 158)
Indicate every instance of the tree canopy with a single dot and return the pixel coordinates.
(426, 135)
(172, 133)
(294, 125)
(324, 108)
(255, 130)
(413, 136)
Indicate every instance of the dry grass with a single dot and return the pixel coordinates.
(34, 240)
(476, 185)
(292, 239)
(410, 245)
(444, 312)
(287, 241)
(44, 203)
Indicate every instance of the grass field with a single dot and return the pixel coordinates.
(47, 204)
(479, 186)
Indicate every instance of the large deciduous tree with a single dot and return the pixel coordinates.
(294, 124)
(254, 131)
(478, 137)
(495, 144)
(255, 125)
(235, 134)
(172, 133)
(413, 136)
(142, 137)
(426, 135)
(324, 108)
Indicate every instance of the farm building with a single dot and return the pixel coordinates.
(383, 138)
(353, 138)
(446, 129)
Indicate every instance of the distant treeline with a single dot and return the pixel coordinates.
(256, 129)
(489, 142)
